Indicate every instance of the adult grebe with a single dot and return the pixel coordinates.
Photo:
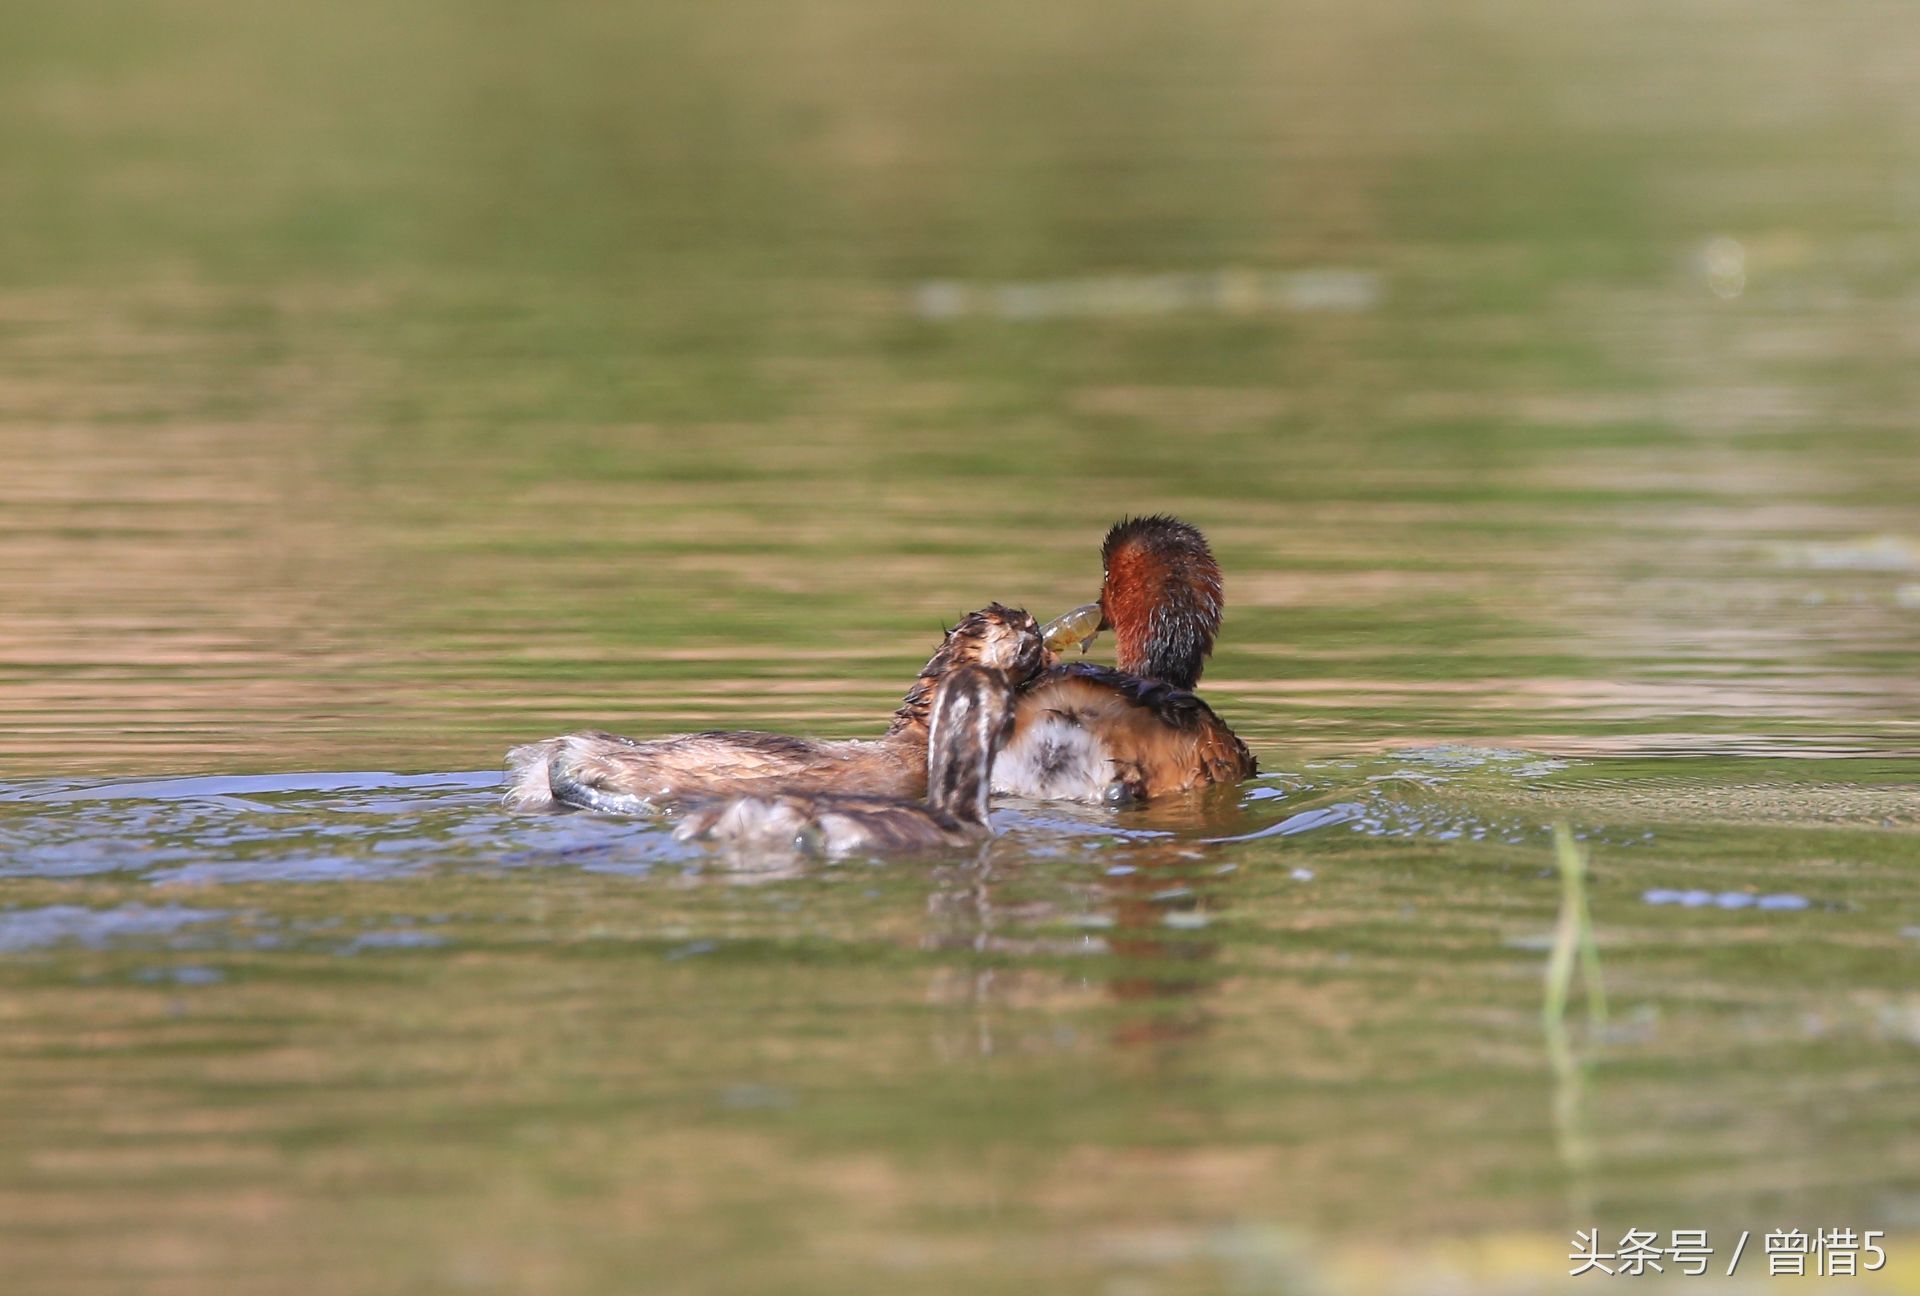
(972, 716)
(1093, 733)
(601, 771)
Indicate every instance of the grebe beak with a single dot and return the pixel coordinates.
(1082, 626)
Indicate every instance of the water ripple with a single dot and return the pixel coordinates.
(49, 925)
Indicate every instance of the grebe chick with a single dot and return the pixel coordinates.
(601, 771)
(972, 716)
(1093, 733)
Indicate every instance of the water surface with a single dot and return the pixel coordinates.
(380, 388)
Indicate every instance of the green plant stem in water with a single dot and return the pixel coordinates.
(1572, 939)
(1573, 936)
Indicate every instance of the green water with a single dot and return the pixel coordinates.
(381, 386)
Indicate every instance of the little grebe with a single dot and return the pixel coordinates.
(1093, 733)
(972, 716)
(601, 771)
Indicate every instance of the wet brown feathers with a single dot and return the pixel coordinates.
(1088, 733)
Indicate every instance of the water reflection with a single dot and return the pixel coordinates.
(1162, 898)
(1132, 914)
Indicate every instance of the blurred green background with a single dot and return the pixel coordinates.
(448, 372)
(384, 384)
